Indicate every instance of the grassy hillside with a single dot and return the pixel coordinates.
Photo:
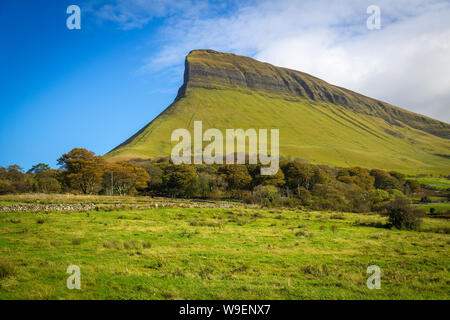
(317, 121)
(321, 132)
(215, 253)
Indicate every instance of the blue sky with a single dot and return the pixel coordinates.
(65, 88)
(97, 86)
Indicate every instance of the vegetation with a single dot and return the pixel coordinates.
(214, 253)
(297, 184)
(404, 216)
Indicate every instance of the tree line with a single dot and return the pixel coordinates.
(298, 183)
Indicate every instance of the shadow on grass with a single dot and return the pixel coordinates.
(374, 224)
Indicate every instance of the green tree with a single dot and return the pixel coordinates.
(298, 174)
(178, 180)
(236, 175)
(39, 168)
(403, 215)
(46, 181)
(277, 179)
(383, 180)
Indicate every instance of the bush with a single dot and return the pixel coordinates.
(402, 215)
(266, 195)
(6, 269)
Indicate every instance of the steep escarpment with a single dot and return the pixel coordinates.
(318, 122)
(216, 70)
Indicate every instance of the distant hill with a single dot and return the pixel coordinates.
(318, 122)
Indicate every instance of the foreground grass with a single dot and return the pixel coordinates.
(213, 253)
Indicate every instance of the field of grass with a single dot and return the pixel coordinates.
(435, 182)
(219, 253)
(438, 207)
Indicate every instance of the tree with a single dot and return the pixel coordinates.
(258, 179)
(400, 177)
(84, 170)
(236, 175)
(178, 180)
(377, 197)
(125, 177)
(357, 176)
(155, 172)
(46, 181)
(413, 186)
(384, 180)
(267, 195)
(13, 180)
(206, 183)
(39, 168)
(305, 175)
(403, 215)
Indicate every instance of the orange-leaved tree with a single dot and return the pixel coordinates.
(84, 170)
(125, 178)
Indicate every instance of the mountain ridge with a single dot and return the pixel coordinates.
(231, 91)
(292, 83)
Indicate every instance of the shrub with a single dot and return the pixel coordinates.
(6, 269)
(111, 244)
(146, 244)
(303, 233)
(132, 244)
(337, 216)
(333, 228)
(403, 215)
(76, 241)
(266, 195)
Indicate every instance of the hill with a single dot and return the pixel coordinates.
(319, 122)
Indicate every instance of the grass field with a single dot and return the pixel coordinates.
(438, 207)
(218, 253)
(435, 182)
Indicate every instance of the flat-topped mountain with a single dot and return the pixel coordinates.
(318, 122)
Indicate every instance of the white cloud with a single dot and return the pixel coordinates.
(406, 63)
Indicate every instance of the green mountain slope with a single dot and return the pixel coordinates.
(317, 121)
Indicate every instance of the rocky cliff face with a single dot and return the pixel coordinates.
(215, 70)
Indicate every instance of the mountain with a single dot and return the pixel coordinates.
(320, 122)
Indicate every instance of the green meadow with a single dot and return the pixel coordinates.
(216, 253)
(439, 183)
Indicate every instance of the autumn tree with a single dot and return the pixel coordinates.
(357, 176)
(13, 180)
(84, 170)
(125, 177)
(412, 186)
